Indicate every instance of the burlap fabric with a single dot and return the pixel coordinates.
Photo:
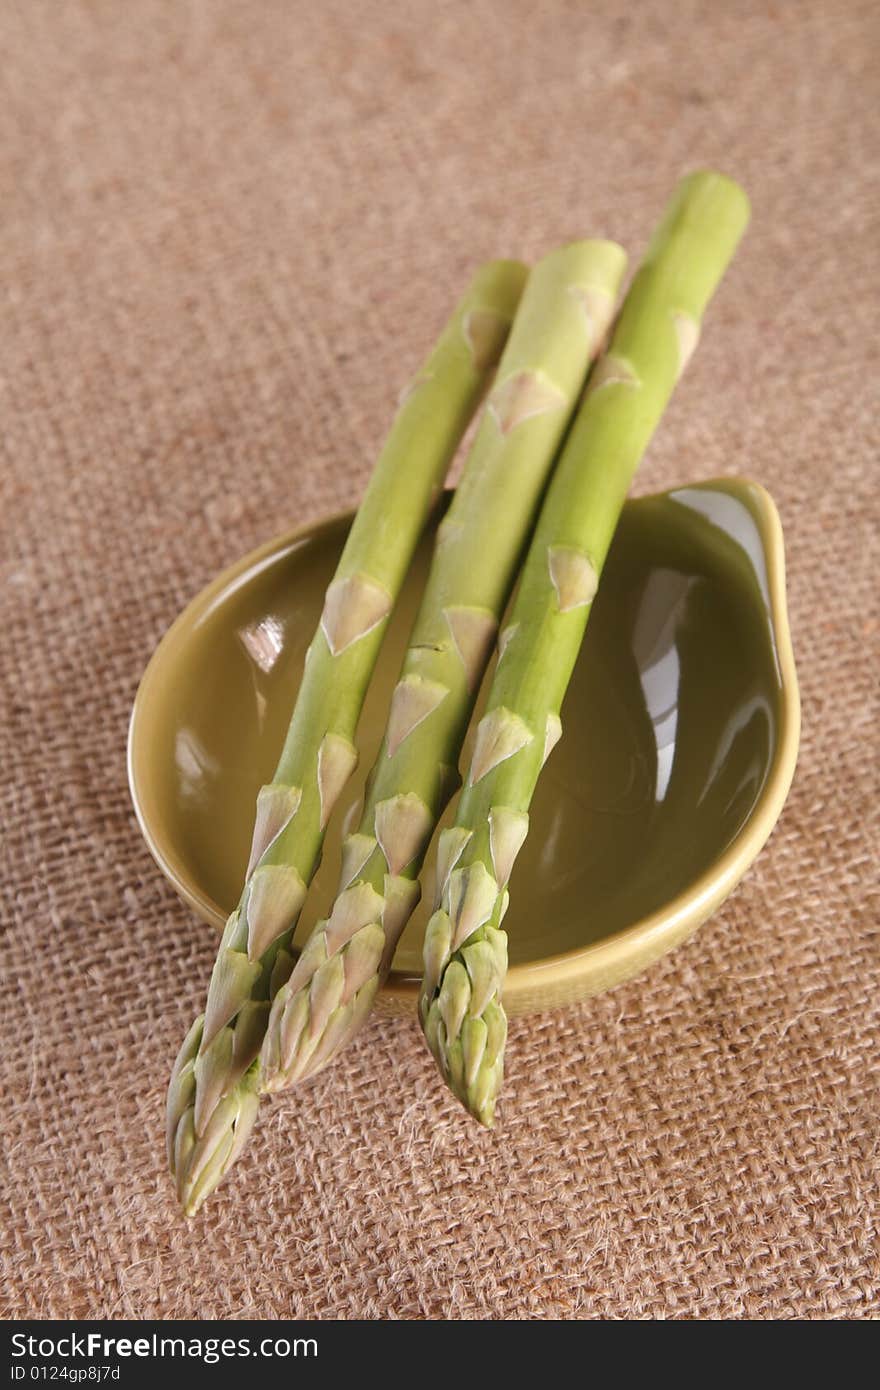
(228, 231)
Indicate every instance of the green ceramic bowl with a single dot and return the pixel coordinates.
(680, 737)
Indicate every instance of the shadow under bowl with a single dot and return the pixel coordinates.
(681, 728)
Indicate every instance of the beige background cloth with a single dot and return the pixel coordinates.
(228, 233)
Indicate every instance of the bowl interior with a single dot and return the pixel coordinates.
(670, 724)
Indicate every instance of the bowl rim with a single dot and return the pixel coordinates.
(613, 957)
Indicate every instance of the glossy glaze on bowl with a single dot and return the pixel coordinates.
(680, 736)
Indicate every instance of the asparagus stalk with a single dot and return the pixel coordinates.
(465, 951)
(559, 327)
(212, 1097)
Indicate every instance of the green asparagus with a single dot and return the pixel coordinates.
(562, 320)
(465, 950)
(212, 1097)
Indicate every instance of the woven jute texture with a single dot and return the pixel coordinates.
(228, 233)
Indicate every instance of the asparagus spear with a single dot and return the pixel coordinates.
(465, 951)
(212, 1097)
(559, 327)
